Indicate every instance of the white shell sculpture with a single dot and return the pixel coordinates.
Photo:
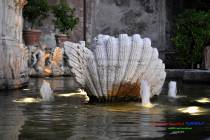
(113, 68)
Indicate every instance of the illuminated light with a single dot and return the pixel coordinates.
(203, 100)
(80, 94)
(47, 71)
(27, 100)
(122, 109)
(193, 110)
(47, 55)
(65, 95)
(26, 89)
(149, 105)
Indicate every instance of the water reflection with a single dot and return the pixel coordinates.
(64, 119)
(11, 116)
(122, 120)
(105, 123)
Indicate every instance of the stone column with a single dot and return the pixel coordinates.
(13, 54)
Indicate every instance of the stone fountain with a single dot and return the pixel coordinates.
(112, 70)
(13, 54)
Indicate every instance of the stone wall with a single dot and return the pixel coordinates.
(146, 17)
(150, 18)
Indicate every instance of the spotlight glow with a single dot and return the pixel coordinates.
(149, 105)
(27, 100)
(192, 110)
(65, 95)
(203, 100)
(26, 89)
(81, 94)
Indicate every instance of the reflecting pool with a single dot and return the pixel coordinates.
(185, 117)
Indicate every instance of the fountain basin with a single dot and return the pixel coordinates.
(62, 119)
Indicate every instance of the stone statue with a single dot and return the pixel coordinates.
(39, 59)
(57, 61)
(19, 18)
(46, 62)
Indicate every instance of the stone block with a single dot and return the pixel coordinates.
(207, 58)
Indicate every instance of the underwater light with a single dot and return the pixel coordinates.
(27, 100)
(192, 110)
(26, 89)
(80, 94)
(203, 100)
(149, 105)
(65, 95)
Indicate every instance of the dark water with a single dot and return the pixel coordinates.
(64, 119)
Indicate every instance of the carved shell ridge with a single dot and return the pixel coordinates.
(113, 68)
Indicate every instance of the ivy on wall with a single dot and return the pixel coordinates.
(192, 32)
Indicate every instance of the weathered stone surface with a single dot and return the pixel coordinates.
(207, 58)
(190, 75)
(113, 17)
(45, 61)
(13, 54)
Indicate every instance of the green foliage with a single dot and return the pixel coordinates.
(65, 19)
(35, 11)
(192, 34)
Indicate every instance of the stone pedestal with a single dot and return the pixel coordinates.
(13, 54)
(207, 58)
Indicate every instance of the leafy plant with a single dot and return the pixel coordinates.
(35, 11)
(191, 36)
(65, 19)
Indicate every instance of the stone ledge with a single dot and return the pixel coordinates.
(191, 75)
(13, 83)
